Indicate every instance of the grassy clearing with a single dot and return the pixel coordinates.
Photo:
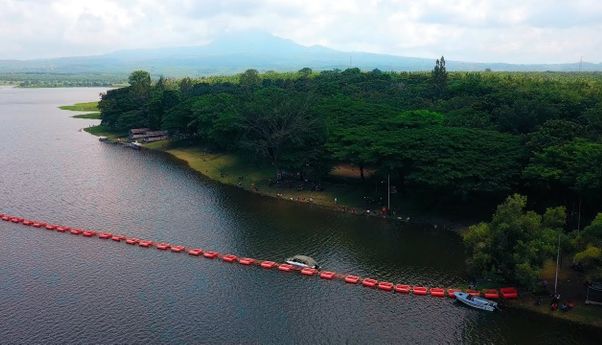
(103, 131)
(85, 106)
(88, 116)
(584, 314)
(235, 170)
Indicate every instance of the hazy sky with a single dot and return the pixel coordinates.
(505, 30)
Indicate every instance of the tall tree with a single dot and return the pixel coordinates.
(439, 77)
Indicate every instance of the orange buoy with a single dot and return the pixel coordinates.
(438, 292)
(246, 261)
(36, 225)
(177, 249)
(60, 229)
(285, 268)
(104, 235)
(162, 246)
(210, 254)
(475, 293)
(131, 241)
(229, 258)
(509, 293)
(27, 222)
(369, 282)
(327, 275)
(88, 233)
(5, 218)
(75, 231)
(491, 294)
(309, 271)
(268, 264)
(50, 227)
(116, 238)
(419, 290)
(385, 286)
(351, 279)
(402, 288)
(195, 252)
(15, 220)
(451, 293)
(145, 244)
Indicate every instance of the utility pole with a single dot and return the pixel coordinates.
(557, 261)
(388, 192)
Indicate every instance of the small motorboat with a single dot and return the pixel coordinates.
(475, 302)
(302, 261)
(135, 145)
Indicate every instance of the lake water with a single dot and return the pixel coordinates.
(59, 288)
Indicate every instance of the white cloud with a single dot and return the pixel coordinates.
(475, 30)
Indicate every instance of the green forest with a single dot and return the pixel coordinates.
(467, 137)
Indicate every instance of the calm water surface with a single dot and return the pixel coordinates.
(58, 288)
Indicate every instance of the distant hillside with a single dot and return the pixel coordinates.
(238, 52)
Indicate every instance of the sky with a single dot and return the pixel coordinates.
(514, 31)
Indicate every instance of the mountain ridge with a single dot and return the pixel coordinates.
(236, 52)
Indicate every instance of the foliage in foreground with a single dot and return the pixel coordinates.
(514, 244)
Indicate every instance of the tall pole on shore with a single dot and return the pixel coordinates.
(388, 192)
(557, 261)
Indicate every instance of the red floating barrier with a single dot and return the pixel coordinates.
(268, 264)
(491, 294)
(419, 290)
(402, 288)
(195, 252)
(162, 246)
(210, 254)
(27, 222)
(36, 225)
(309, 271)
(50, 227)
(116, 238)
(369, 282)
(104, 235)
(509, 293)
(145, 244)
(5, 218)
(131, 241)
(15, 220)
(327, 275)
(177, 249)
(351, 279)
(246, 261)
(60, 229)
(75, 231)
(475, 293)
(88, 233)
(438, 292)
(285, 268)
(229, 258)
(385, 286)
(451, 293)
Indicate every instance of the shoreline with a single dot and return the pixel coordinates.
(585, 315)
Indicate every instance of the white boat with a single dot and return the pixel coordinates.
(302, 261)
(135, 145)
(476, 302)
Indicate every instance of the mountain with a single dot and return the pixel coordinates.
(234, 53)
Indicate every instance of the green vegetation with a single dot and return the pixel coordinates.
(456, 137)
(89, 116)
(45, 79)
(515, 244)
(86, 106)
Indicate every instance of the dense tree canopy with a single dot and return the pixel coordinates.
(513, 246)
(460, 134)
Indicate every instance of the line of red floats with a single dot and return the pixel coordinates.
(506, 293)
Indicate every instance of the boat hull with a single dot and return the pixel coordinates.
(475, 302)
